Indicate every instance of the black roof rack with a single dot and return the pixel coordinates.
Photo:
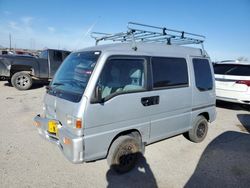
(152, 34)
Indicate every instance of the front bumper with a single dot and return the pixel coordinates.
(72, 146)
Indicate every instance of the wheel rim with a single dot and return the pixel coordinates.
(22, 81)
(127, 156)
(201, 130)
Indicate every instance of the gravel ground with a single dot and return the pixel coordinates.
(27, 160)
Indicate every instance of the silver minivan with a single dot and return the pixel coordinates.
(110, 101)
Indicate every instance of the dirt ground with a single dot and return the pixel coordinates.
(27, 160)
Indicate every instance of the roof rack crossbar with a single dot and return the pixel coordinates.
(152, 32)
(132, 25)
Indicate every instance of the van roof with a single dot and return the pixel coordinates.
(147, 49)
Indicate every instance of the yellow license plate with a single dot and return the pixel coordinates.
(52, 127)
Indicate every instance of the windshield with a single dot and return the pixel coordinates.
(72, 77)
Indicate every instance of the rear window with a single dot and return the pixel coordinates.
(230, 69)
(203, 75)
(58, 56)
(169, 72)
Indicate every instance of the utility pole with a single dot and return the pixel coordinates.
(10, 40)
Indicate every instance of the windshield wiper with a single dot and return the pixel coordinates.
(56, 84)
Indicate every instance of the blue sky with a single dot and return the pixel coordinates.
(66, 24)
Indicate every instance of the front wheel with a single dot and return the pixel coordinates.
(21, 80)
(124, 154)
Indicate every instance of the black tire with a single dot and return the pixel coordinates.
(9, 81)
(21, 80)
(199, 131)
(124, 154)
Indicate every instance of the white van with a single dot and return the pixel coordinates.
(113, 100)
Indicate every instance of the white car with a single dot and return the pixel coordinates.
(232, 79)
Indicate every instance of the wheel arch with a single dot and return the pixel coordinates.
(134, 132)
(19, 68)
(206, 115)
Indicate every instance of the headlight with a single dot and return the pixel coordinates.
(74, 122)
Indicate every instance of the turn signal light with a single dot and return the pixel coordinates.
(37, 124)
(74, 122)
(66, 141)
(78, 123)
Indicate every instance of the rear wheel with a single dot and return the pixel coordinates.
(21, 80)
(199, 130)
(124, 154)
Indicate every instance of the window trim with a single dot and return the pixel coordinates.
(211, 72)
(168, 87)
(146, 86)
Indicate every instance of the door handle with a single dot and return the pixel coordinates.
(155, 100)
(145, 101)
(148, 101)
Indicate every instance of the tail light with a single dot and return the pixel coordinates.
(246, 82)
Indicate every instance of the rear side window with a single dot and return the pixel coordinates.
(169, 72)
(203, 75)
(44, 55)
(57, 56)
(232, 69)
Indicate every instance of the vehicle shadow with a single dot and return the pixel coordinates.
(224, 163)
(34, 86)
(229, 105)
(245, 121)
(140, 176)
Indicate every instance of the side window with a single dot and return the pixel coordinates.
(203, 75)
(44, 54)
(57, 56)
(169, 72)
(121, 76)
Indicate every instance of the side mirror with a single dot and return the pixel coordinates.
(97, 98)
